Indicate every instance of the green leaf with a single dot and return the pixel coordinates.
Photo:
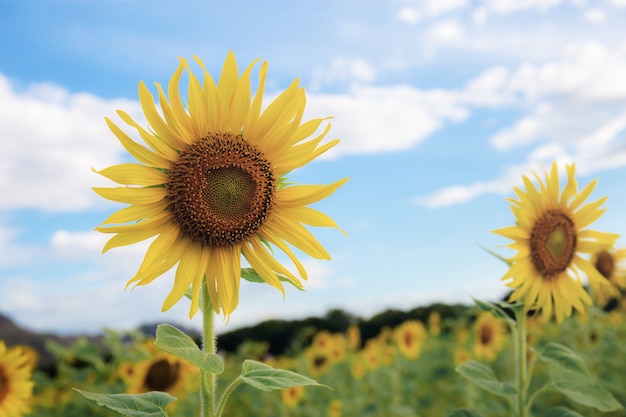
(496, 254)
(483, 376)
(587, 393)
(561, 412)
(494, 309)
(465, 412)
(266, 378)
(564, 358)
(174, 341)
(151, 404)
(251, 275)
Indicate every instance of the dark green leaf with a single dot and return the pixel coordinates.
(151, 404)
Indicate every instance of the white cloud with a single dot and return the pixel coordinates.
(344, 70)
(11, 253)
(408, 15)
(511, 6)
(595, 15)
(376, 119)
(574, 117)
(449, 31)
(428, 9)
(479, 16)
(51, 139)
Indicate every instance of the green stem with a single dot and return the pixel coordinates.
(227, 392)
(521, 372)
(207, 379)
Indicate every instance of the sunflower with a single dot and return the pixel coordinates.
(410, 337)
(291, 396)
(461, 355)
(553, 247)
(163, 372)
(334, 408)
(489, 336)
(610, 264)
(212, 185)
(16, 385)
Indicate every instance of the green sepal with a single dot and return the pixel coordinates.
(249, 274)
(465, 412)
(150, 404)
(496, 255)
(561, 411)
(483, 376)
(174, 341)
(265, 378)
(494, 309)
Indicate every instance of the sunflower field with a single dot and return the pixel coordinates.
(413, 369)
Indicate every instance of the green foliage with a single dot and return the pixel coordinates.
(483, 376)
(151, 404)
(465, 412)
(251, 275)
(570, 376)
(561, 412)
(266, 378)
(174, 341)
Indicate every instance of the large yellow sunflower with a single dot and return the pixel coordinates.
(211, 185)
(16, 385)
(553, 245)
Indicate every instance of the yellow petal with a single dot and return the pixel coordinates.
(134, 174)
(135, 213)
(185, 274)
(144, 195)
(302, 195)
(162, 148)
(139, 152)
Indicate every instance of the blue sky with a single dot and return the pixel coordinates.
(440, 105)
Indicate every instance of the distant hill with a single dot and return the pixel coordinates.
(13, 334)
(283, 336)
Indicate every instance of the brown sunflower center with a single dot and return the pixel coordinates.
(553, 243)
(4, 385)
(486, 335)
(221, 190)
(605, 264)
(162, 375)
(409, 339)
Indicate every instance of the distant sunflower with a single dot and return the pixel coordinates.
(292, 396)
(212, 185)
(610, 263)
(410, 337)
(334, 408)
(163, 372)
(16, 385)
(489, 337)
(553, 245)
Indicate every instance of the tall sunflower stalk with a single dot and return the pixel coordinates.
(554, 248)
(210, 188)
